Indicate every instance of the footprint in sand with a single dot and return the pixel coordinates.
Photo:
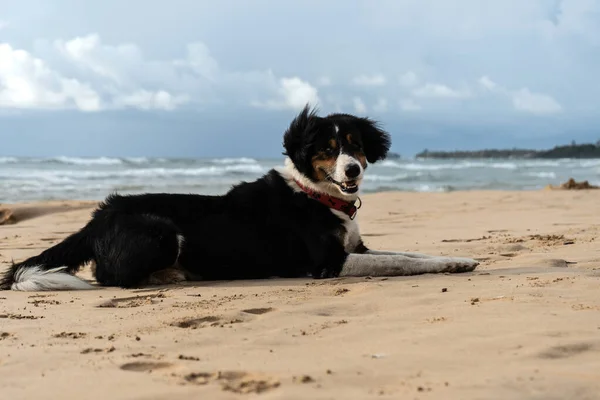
(91, 350)
(511, 250)
(134, 301)
(552, 263)
(195, 323)
(235, 381)
(70, 335)
(220, 321)
(258, 311)
(566, 351)
(20, 316)
(145, 366)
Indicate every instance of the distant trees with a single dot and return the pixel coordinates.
(586, 150)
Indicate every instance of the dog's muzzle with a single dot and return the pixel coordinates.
(350, 186)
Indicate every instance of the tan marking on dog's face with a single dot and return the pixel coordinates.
(333, 143)
(353, 147)
(323, 165)
(360, 156)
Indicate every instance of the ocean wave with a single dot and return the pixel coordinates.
(8, 160)
(137, 160)
(589, 163)
(68, 175)
(408, 188)
(86, 161)
(390, 164)
(509, 165)
(386, 178)
(544, 175)
(96, 161)
(240, 160)
(452, 166)
(432, 188)
(540, 164)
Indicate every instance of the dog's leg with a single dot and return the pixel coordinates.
(400, 253)
(399, 265)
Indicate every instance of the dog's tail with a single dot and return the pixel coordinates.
(54, 268)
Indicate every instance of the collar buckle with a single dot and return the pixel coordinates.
(355, 209)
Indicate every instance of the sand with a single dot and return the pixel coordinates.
(524, 325)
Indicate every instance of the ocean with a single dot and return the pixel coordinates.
(58, 178)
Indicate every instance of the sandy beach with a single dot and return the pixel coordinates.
(524, 325)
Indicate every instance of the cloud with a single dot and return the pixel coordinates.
(487, 83)
(439, 91)
(101, 76)
(147, 100)
(409, 105)
(27, 82)
(294, 93)
(535, 103)
(201, 62)
(88, 52)
(524, 100)
(359, 105)
(297, 93)
(125, 78)
(103, 79)
(369, 80)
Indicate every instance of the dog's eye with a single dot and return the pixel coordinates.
(329, 151)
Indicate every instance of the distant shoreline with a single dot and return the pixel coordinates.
(576, 151)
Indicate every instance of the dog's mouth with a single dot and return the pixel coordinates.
(348, 187)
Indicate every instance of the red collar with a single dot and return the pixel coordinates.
(344, 206)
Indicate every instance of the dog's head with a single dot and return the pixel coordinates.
(334, 151)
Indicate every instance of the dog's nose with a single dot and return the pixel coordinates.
(352, 170)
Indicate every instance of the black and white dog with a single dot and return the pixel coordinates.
(295, 222)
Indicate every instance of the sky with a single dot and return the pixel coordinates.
(196, 78)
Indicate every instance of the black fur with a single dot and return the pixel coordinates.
(257, 230)
(375, 141)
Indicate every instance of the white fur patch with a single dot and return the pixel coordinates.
(180, 243)
(399, 265)
(352, 236)
(341, 163)
(33, 279)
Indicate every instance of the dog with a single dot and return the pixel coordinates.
(294, 221)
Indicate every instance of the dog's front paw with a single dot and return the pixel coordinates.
(459, 264)
(325, 273)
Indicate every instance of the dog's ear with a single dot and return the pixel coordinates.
(294, 137)
(376, 141)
